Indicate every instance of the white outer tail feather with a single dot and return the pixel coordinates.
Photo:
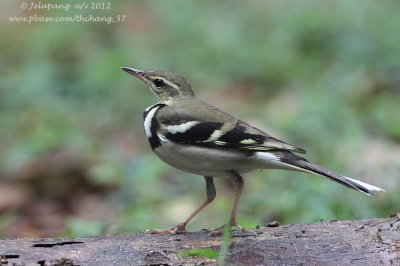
(344, 180)
(291, 161)
(366, 185)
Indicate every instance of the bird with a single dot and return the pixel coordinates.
(202, 139)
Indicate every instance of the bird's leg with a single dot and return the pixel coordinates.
(239, 183)
(180, 228)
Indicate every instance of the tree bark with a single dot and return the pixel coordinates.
(364, 242)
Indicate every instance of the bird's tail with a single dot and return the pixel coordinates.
(306, 166)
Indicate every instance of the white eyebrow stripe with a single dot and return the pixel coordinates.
(181, 128)
(171, 84)
(166, 82)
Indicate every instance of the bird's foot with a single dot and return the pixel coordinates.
(180, 228)
(216, 231)
(220, 230)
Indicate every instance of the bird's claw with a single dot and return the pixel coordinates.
(180, 228)
(220, 230)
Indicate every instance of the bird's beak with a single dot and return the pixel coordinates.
(135, 72)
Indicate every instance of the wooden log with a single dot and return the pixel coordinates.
(364, 242)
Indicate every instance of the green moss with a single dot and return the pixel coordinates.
(199, 252)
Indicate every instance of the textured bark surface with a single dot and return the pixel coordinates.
(365, 242)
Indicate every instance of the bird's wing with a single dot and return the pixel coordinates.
(206, 125)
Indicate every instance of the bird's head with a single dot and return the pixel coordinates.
(164, 84)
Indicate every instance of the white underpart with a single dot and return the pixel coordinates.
(268, 156)
(215, 135)
(181, 128)
(271, 161)
(148, 119)
(367, 186)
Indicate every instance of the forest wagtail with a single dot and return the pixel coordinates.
(199, 138)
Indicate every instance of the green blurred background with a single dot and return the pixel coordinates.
(74, 161)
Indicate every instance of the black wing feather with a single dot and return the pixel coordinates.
(237, 137)
(197, 134)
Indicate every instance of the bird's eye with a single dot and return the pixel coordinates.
(158, 82)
